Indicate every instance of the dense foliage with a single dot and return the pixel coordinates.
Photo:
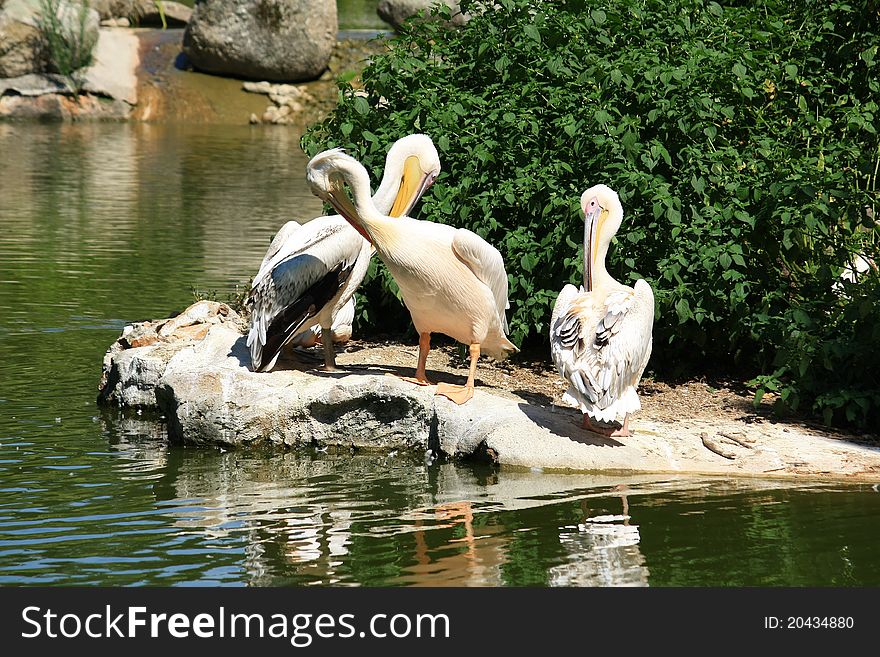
(741, 136)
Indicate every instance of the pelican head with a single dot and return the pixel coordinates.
(603, 214)
(329, 172)
(411, 167)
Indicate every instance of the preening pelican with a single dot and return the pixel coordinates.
(344, 318)
(312, 270)
(600, 335)
(452, 281)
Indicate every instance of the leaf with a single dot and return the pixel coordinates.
(602, 116)
(759, 395)
(361, 106)
(683, 310)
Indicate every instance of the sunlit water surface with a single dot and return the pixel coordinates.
(105, 224)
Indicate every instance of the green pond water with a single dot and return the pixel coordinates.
(105, 224)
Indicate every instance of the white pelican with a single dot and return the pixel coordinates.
(343, 319)
(600, 335)
(452, 281)
(312, 270)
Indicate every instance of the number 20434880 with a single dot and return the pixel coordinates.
(808, 622)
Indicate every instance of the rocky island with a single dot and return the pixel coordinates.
(194, 368)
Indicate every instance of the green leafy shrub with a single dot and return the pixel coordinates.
(68, 42)
(741, 136)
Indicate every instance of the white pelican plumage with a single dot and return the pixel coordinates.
(452, 280)
(600, 335)
(343, 319)
(312, 270)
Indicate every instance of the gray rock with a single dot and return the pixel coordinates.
(196, 372)
(113, 72)
(144, 12)
(115, 22)
(35, 85)
(22, 48)
(288, 102)
(59, 107)
(395, 12)
(262, 39)
(137, 360)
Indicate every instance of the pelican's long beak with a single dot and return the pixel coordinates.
(341, 203)
(413, 183)
(591, 233)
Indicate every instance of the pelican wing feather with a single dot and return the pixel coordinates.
(282, 237)
(603, 351)
(485, 261)
(296, 282)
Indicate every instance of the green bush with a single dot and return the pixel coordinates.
(742, 139)
(67, 40)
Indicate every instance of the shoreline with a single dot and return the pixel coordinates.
(145, 77)
(194, 369)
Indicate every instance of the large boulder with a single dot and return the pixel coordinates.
(20, 41)
(395, 12)
(262, 39)
(22, 46)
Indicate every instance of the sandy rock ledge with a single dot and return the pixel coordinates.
(194, 369)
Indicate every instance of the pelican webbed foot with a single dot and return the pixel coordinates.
(423, 381)
(459, 394)
(419, 381)
(609, 430)
(421, 378)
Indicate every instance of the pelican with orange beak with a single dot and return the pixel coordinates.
(600, 334)
(305, 285)
(452, 280)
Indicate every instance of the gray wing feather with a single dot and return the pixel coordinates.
(602, 359)
(308, 254)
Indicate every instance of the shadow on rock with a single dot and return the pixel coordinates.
(566, 423)
(538, 398)
(391, 370)
(241, 353)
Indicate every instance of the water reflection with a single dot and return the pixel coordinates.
(311, 518)
(147, 208)
(603, 550)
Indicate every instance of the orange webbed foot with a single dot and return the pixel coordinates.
(458, 394)
(412, 379)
